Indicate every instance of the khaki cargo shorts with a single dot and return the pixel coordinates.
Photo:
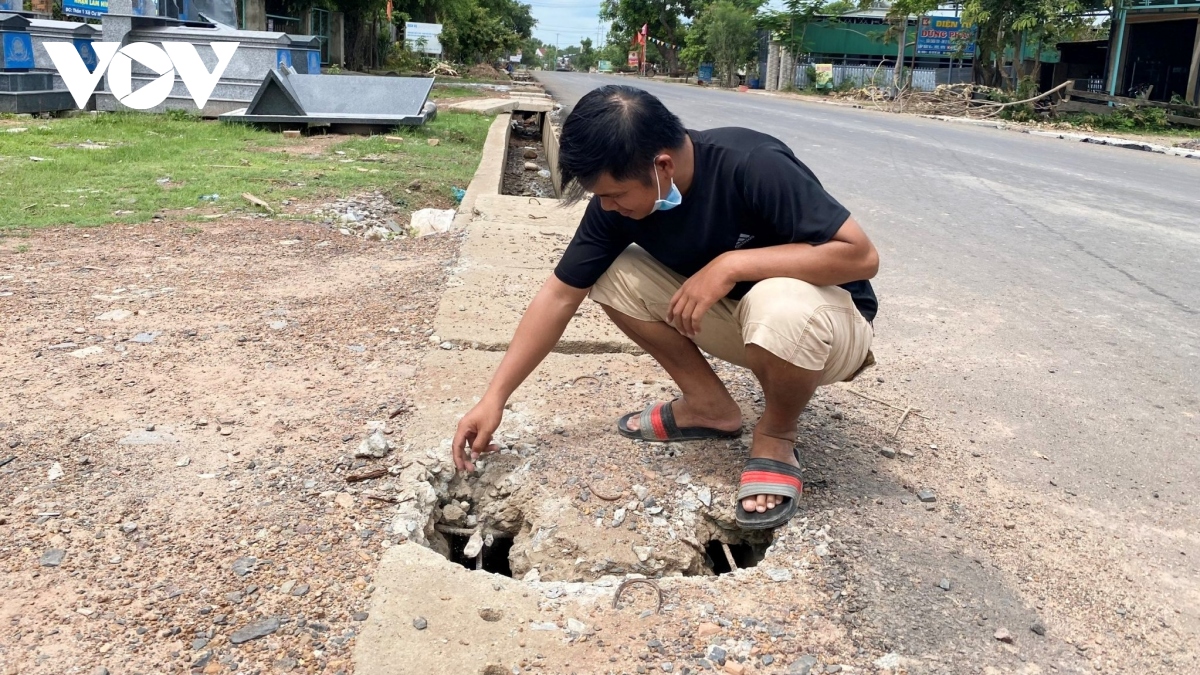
(812, 327)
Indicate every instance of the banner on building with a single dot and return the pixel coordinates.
(824, 79)
(945, 36)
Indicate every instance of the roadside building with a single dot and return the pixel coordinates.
(1155, 47)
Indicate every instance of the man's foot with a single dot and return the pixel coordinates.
(778, 449)
(726, 417)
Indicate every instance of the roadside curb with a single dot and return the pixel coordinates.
(1114, 141)
(489, 173)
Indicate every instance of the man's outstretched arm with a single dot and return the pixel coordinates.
(540, 329)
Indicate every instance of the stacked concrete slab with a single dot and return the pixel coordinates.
(79, 34)
(374, 103)
(257, 54)
(23, 88)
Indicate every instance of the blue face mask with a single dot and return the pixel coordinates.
(674, 197)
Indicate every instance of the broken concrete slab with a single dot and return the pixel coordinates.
(413, 583)
(564, 471)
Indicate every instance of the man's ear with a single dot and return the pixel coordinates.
(667, 163)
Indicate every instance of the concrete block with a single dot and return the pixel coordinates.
(489, 173)
(501, 267)
(485, 106)
(415, 584)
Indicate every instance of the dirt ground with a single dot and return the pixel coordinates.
(180, 410)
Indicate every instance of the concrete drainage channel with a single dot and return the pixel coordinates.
(528, 168)
(568, 512)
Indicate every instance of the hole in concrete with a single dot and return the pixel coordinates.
(495, 557)
(744, 555)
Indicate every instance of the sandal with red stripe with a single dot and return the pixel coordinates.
(657, 423)
(769, 477)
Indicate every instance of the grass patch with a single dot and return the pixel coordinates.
(107, 168)
(1142, 120)
(451, 91)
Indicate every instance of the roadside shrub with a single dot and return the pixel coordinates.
(1128, 118)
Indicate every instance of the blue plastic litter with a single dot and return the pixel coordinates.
(458, 194)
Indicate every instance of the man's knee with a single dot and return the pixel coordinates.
(635, 285)
(812, 327)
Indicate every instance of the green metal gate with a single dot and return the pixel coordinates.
(320, 28)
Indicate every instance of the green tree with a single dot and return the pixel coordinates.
(897, 16)
(587, 57)
(729, 36)
(790, 25)
(1008, 26)
(665, 19)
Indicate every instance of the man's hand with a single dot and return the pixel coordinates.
(476, 429)
(697, 295)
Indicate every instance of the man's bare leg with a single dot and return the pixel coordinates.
(787, 390)
(705, 402)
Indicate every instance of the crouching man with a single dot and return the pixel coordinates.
(717, 240)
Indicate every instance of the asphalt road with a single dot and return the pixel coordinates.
(1042, 297)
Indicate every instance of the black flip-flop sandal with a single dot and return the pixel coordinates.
(769, 477)
(657, 423)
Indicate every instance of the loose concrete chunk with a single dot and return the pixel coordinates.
(432, 221)
(115, 315)
(376, 445)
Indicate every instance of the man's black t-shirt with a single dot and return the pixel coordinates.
(748, 191)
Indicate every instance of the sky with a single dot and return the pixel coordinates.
(567, 21)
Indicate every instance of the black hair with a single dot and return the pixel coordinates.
(617, 130)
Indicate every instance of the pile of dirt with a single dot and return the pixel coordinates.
(1193, 144)
(486, 71)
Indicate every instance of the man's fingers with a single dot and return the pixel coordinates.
(671, 314)
(457, 447)
(688, 311)
(697, 318)
(482, 443)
